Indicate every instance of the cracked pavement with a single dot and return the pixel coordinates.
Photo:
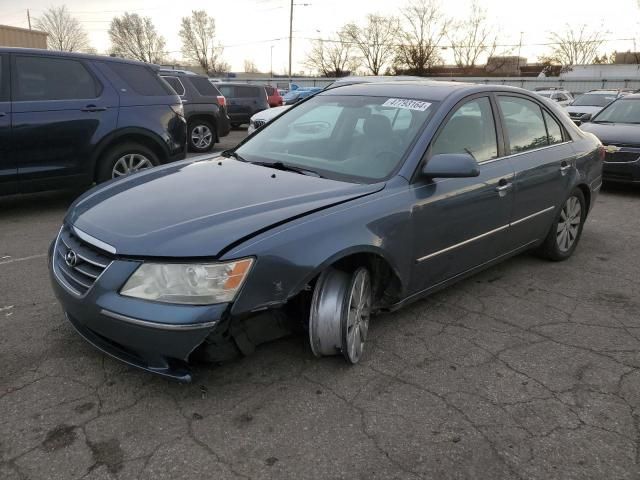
(529, 370)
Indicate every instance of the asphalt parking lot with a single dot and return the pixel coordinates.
(530, 370)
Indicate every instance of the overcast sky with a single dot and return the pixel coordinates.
(248, 28)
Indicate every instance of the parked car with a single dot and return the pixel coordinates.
(618, 128)
(70, 119)
(591, 102)
(362, 199)
(243, 101)
(264, 117)
(205, 109)
(559, 95)
(294, 96)
(273, 96)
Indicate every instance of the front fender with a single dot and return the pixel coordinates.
(289, 257)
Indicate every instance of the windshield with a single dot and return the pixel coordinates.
(622, 111)
(594, 99)
(352, 138)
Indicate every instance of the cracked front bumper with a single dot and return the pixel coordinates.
(153, 336)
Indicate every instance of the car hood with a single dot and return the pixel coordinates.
(583, 109)
(614, 133)
(198, 208)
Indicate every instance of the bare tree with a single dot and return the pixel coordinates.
(250, 66)
(376, 41)
(64, 31)
(421, 32)
(133, 36)
(575, 46)
(472, 38)
(198, 35)
(333, 57)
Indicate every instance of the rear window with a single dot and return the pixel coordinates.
(241, 91)
(4, 78)
(204, 87)
(140, 79)
(176, 84)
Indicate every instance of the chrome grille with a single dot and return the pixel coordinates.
(76, 264)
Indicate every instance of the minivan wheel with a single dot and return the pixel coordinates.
(201, 136)
(125, 159)
(565, 232)
(340, 313)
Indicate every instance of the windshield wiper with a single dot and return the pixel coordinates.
(233, 154)
(288, 168)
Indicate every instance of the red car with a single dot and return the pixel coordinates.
(273, 96)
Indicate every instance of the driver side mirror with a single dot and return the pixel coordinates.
(451, 165)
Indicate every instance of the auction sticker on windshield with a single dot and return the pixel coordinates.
(408, 104)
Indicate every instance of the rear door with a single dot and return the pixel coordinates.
(544, 164)
(8, 168)
(60, 110)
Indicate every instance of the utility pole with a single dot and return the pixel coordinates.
(29, 18)
(519, 48)
(271, 64)
(290, 40)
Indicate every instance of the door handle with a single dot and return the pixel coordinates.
(503, 187)
(564, 167)
(92, 108)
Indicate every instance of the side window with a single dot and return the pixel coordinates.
(247, 92)
(228, 91)
(470, 129)
(4, 78)
(140, 79)
(49, 78)
(524, 124)
(176, 84)
(554, 131)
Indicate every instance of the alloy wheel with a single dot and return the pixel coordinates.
(358, 314)
(130, 163)
(201, 136)
(569, 224)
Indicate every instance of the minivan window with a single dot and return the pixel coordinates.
(470, 129)
(48, 78)
(204, 87)
(139, 78)
(524, 123)
(176, 84)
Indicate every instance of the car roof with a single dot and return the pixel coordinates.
(240, 84)
(180, 73)
(85, 56)
(602, 91)
(631, 96)
(422, 90)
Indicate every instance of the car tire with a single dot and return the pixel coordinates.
(566, 229)
(202, 136)
(125, 159)
(340, 313)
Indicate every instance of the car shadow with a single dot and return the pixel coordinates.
(622, 189)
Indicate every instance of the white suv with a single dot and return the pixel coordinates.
(561, 96)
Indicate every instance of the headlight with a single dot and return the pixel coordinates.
(194, 284)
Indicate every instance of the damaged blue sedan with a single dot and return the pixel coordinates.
(358, 200)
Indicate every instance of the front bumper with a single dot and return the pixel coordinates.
(153, 336)
(621, 172)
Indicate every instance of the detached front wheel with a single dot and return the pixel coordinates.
(340, 313)
(566, 230)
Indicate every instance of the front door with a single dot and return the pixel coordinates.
(461, 223)
(8, 169)
(544, 165)
(59, 110)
